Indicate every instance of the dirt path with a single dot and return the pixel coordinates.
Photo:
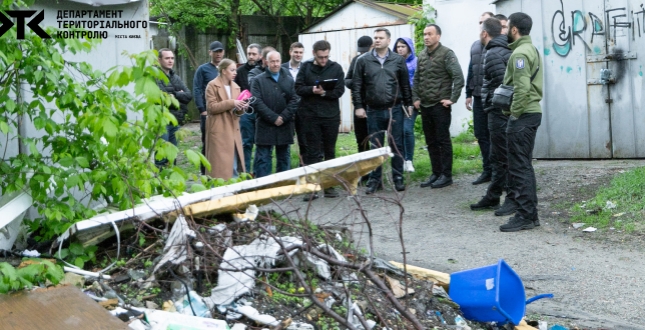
(597, 278)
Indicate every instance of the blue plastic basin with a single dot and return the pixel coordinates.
(493, 293)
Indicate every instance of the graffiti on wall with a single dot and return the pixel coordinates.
(566, 31)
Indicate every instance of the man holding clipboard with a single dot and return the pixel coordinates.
(320, 85)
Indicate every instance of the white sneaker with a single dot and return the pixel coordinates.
(408, 167)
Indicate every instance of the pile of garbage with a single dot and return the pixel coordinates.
(264, 272)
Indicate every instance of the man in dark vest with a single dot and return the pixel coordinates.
(474, 102)
(437, 86)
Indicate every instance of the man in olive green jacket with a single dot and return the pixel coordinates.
(438, 81)
(524, 73)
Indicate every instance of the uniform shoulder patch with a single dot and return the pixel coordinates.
(519, 63)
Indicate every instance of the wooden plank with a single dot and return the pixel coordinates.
(61, 307)
(347, 169)
(439, 278)
(237, 203)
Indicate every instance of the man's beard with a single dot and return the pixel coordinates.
(510, 38)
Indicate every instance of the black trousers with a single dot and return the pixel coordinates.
(321, 136)
(521, 176)
(497, 123)
(300, 126)
(482, 133)
(436, 128)
(361, 134)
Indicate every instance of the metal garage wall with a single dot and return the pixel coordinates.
(584, 116)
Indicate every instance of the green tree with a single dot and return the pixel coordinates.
(224, 15)
(94, 140)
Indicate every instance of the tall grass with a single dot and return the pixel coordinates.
(621, 204)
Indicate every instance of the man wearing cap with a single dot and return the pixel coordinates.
(364, 44)
(204, 74)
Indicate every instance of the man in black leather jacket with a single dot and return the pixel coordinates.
(383, 76)
(178, 89)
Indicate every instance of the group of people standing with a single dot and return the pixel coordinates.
(504, 54)
(389, 89)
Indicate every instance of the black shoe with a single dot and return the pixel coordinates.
(443, 181)
(485, 203)
(517, 223)
(310, 197)
(430, 181)
(331, 193)
(398, 184)
(507, 208)
(372, 187)
(484, 177)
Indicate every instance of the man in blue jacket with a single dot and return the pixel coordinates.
(204, 74)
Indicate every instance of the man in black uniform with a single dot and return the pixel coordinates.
(474, 102)
(497, 55)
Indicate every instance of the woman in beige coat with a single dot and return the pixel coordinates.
(223, 138)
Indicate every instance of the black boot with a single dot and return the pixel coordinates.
(331, 192)
(536, 221)
(507, 208)
(517, 223)
(372, 187)
(398, 184)
(443, 181)
(484, 177)
(485, 203)
(430, 181)
(310, 197)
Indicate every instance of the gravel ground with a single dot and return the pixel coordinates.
(597, 278)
